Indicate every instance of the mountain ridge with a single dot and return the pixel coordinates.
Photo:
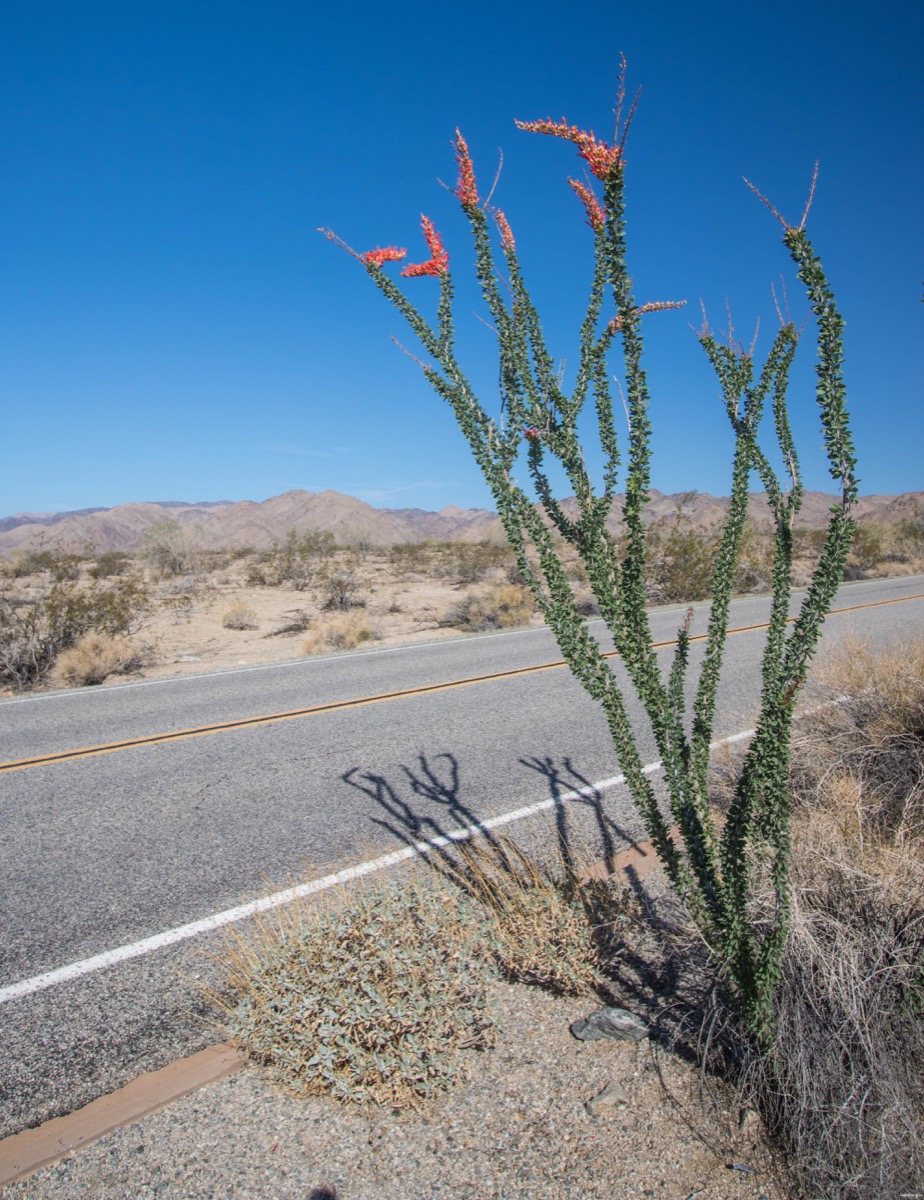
(247, 523)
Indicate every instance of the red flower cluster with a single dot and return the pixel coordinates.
(466, 189)
(505, 231)
(531, 433)
(375, 258)
(651, 306)
(601, 158)
(438, 263)
(596, 217)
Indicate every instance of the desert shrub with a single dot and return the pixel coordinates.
(754, 570)
(909, 536)
(239, 616)
(470, 562)
(682, 561)
(879, 544)
(298, 558)
(298, 622)
(340, 590)
(407, 558)
(339, 631)
(33, 632)
(257, 573)
(503, 607)
(359, 544)
(843, 1083)
(94, 658)
(48, 561)
(171, 548)
(867, 550)
(179, 598)
(368, 1001)
(110, 563)
(586, 603)
(865, 739)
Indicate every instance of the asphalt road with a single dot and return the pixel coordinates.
(101, 851)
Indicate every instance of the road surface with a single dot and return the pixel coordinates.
(202, 793)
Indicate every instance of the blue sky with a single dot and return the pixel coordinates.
(175, 328)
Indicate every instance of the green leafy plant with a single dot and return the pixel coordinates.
(369, 1001)
(535, 426)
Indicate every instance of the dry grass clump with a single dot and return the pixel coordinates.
(503, 607)
(843, 1088)
(542, 927)
(94, 658)
(339, 631)
(239, 616)
(368, 1000)
(864, 755)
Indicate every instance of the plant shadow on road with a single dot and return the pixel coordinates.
(455, 821)
(559, 919)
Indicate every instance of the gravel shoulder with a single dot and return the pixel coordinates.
(516, 1127)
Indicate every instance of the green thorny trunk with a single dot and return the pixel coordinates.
(719, 873)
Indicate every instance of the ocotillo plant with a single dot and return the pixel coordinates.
(719, 873)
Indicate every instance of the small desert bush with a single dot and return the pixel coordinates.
(94, 658)
(297, 559)
(370, 997)
(338, 631)
(239, 616)
(366, 1000)
(341, 590)
(882, 548)
(171, 548)
(34, 631)
(681, 561)
(298, 622)
(503, 607)
(110, 563)
(409, 558)
(470, 562)
(50, 562)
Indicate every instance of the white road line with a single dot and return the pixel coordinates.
(230, 916)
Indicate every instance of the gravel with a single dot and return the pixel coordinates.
(516, 1128)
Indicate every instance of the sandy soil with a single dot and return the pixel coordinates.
(186, 629)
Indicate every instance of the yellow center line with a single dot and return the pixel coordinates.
(178, 735)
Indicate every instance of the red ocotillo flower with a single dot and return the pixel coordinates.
(616, 323)
(505, 231)
(531, 433)
(596, 217)
(375, 258)
(466, 189)
(601, 158)
(438, 263)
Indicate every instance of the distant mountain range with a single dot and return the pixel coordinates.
(225, 523)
